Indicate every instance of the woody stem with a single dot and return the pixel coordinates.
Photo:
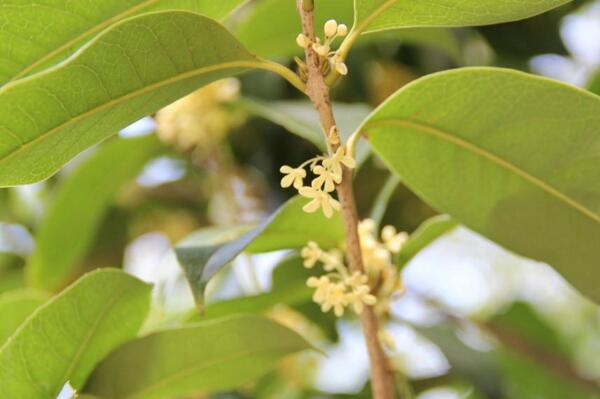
(382, 380)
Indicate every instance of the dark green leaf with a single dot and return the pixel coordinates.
(65, 338)
(204, 357)
(289, 227)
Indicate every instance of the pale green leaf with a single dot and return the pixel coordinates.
(15, 306)
(138, 66)
(70, 223)
(204, 357)
(510, 155)
(376, 15)
(40, 33)
(289, 227)
(65, 338)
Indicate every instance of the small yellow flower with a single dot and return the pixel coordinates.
(336, 299)
(325, 178)
(334, 163)
(321, 285)
(319, 199)
(392, 239)
(311, 254)
(332, 260)
(356, 280)
(293, 176)
(359, 297)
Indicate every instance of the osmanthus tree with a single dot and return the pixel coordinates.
(510, 155)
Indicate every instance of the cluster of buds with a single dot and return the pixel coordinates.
(337, 289)
(328, 172)
(377, 253)
(331, 59)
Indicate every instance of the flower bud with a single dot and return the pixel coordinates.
(331, 28)
(341, 68)
(342, 30)
(302, 41)
(321, 49)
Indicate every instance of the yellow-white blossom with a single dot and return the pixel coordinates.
(325, 179)
(334, 163)
(319, 199)
(336, 299)
(321, 49)
(332, 260)
(321, 285)
(359, 297)
(311, 254)
(392, 239)
(293, 176)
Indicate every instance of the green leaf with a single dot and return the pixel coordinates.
(65, 338)
(205, 357)
(376, 15)
(428, 232)
(40, 33)
(15, 306)
(289, 227)
(508, 154)
(133, 69)
(300, 118)
(276, 37)
(73, 217)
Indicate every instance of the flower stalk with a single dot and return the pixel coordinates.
(382, 379)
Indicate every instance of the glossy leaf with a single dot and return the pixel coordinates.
(15, 306)
(65, 338)
(40, 33)
(376, 15)
(130, 71)
(71, 221)
(276, 37)
(289, 227)
(510, 155)
(427, 233)
(204, 357)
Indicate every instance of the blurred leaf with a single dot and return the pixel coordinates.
(276, 37)
(74, 215)
(15, 306)
(289, 227)
(514, 160)
(428, 232)
(11, 276)
(65, 338)
(594, 83)
(133, 69)
(383, 198)
(376, 15)
(41, 33)
(289, 287)
(205, 357)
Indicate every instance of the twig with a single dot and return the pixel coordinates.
(382, 380)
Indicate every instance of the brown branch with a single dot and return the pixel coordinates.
(382, 379)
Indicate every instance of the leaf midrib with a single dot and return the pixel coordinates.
(194, 369)
(92, 331)
(468, 146)
(81, 37)
(186, 75)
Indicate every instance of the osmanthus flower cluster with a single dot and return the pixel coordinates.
(339, 288)
(328, 172)
(329, 59)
